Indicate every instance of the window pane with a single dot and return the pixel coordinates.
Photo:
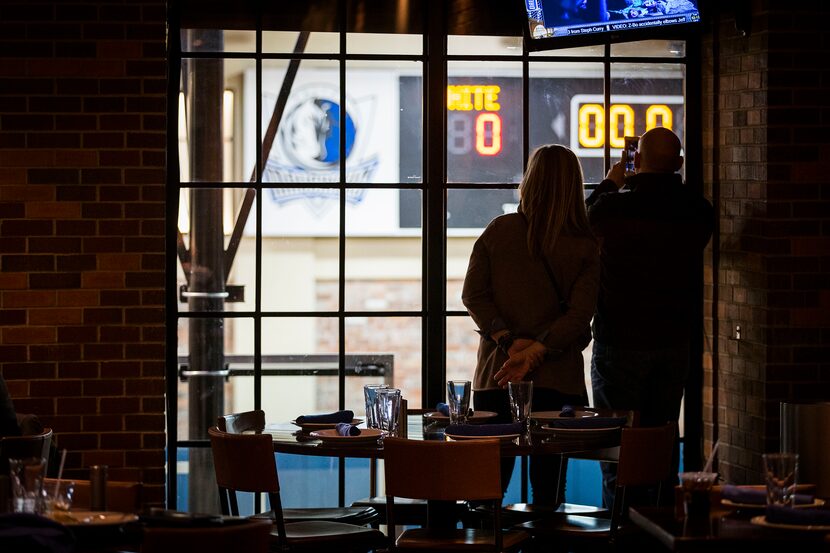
(217, 40)
(469, 212)
(207, 218)
(650, 48)
(210, 104)
(384, 43)
(462, 348)
(566, 108)
(300, 249)
(644, 96)
(283, 42)
(306, 146)
(398, 337)
(584, 51)
(383, 122)
(484, 122)
(383, 250)
(211, 345)
(466, 45)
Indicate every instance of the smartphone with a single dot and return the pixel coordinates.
(631, 144)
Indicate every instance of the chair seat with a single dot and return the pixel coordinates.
(314, 534)
(410, 512)
(569, 524)
(349, 515)
(467, 539)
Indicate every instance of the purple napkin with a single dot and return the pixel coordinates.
(567, 411)
(778, 514)
(756, 496)
(588, 422)
(347, 429)
(484, 429)
(327, 418)
(28, 532)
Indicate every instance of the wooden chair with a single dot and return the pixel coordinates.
(644, 460)
(254, 421)
(447, 471)
(246, 463)
(124, 497)
(20, 447)
(251, 536)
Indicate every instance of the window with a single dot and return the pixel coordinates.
(321, 243)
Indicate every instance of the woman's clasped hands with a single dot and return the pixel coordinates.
(525, 354)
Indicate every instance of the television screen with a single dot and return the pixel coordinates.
(553, 21)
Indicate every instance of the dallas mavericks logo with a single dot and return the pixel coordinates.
(307, 149)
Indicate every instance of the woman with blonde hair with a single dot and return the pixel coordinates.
(528, 330)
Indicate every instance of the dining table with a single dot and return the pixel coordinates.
(725, 530)
(288, 438)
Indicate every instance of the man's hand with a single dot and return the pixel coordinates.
(525, 355)
(617, 174)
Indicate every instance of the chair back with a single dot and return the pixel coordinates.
(251, 536)
(21, 447)
(237, 423)
(122, 497)
(645, 455)
(446, 471)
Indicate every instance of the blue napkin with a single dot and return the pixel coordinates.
(443, 408)
(756, 496)
(34, 533)
(347, 429)
(778, 514)
(588, 422)
(484, 429)
(327, 418)
(567, 411)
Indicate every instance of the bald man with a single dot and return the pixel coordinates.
(652, 229)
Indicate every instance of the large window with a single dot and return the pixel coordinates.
(334, 166)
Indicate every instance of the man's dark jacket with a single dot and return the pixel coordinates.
(652, 235)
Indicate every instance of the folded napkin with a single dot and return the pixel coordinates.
(484, 429)
(347, 429)
(588, 422)
(327, 418)
(778, 514)
(757, 496)
(443, 408)
(34, 533)
(567, 411)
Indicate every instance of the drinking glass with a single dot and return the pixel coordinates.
(697, 488)
(781, 470)
(458, 399)
(58, 495)
(27, 484)
(388, 409)
(370, 392)
(521, 399)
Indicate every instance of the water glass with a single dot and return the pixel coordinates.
(58, 495)
(27, 484)
(388, 410)
(781, 470)
(458, 399)
(521, 399)
(370, 397)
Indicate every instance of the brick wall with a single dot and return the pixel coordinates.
(82, 169)
(767, 107)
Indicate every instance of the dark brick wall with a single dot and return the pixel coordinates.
(767, 117)
(82, 169)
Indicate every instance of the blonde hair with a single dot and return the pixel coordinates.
(552, 198)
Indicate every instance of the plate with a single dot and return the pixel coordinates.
(502, 437)
(545, 416)
(92, 518)
(477, 416)
(761, 506)
(581, 433)
(309, 426)
(367, 435)
(761, 520)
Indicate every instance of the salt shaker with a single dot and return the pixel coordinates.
(98, 487)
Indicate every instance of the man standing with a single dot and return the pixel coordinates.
(652, 236)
